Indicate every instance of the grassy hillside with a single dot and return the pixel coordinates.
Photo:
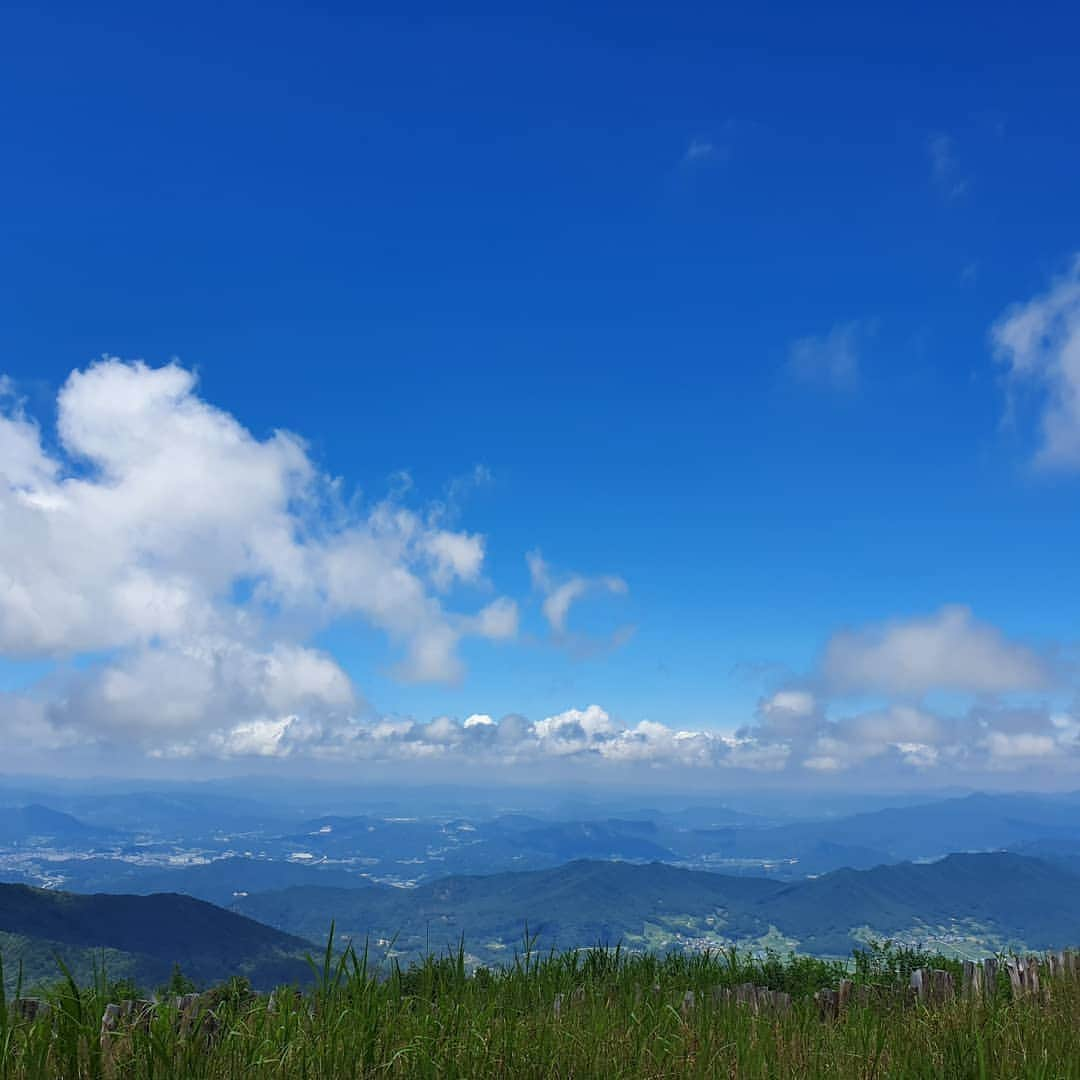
(151, 932)
(616, 1017)
(33, 960)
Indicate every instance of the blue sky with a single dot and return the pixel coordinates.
(702, 301)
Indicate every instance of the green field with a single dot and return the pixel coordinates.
(617, 1015)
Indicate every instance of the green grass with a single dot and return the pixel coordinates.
(621, 1015)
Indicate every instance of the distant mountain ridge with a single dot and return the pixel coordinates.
(219, 881)
(150, 836)
(996, 897)
(34, 822)
(978, 822)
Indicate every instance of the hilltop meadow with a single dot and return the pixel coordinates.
(588, 1013)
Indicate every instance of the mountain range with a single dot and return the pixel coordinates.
(967, 903)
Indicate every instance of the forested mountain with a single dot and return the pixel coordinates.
(967, 902)
(36, 824)
(148, 934)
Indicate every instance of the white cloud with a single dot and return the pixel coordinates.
(874, 742)
(581, 736)
(198, 556)
(453, 555)
(187, 563)
(497, 621)
(794, 702)
(27, 728)
(561, 594)
(949, 650)
(918, 755)
(788, 713)
(1039, 342)
(831, 361)
(24, 466)
(223, 717)
(897, 729)
(576, 728)
(166, 695)
(1021, 745)
(255, 738)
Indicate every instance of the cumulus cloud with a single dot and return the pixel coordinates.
(196, 556)
(886, 739)
(1039, 344)
(580, 736)
(498, 620)
(900, 665)
(26, 727)
(560, 594)
(949, 650)
(786, 713)
(910, 734)
(1020, 745)
(830, 361)
(904, 737)
(185, 692)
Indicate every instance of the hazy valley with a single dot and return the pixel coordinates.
(967, 876)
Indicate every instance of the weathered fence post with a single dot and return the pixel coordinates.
(1016, 976)
(1032, 976)
(971, 981)
(920, 983)
(30, 1009)
(687, 1007)
(828, 1004)
(843, 995)
(556, 1006)
(138, 1013)
(942, 988)
(1055, 964)
(110, 1021)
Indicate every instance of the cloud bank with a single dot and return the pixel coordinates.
(175, 569)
